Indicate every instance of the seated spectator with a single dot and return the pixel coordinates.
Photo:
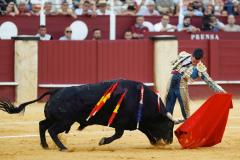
(131, 11)
(97, 34)
(35, 10)
(56, 5)
(211, 23)
(118, 6)
(48, 9)
(216, 24)
(228, 6)
(213, 7)
(65, 10)
(237, 12)
(206, 2)
(224, 13)
(236, 8)
(138, 29)
(205, 22)
(67, 34)
(42, 33)
(128, 35)
(11, 9)
(164, 25)
(186, 26)
(193, 9)
(85, 9)
(36, 7)
(102, 8)
(3, 5)
(209, 10)
(23, 9)
(184, 6)
(165, 6)
(218, 7)
(231, 26)
(198, 6)
(148, 10)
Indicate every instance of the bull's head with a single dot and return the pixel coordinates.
(159, 130)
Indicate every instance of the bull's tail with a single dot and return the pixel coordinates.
(8, 107)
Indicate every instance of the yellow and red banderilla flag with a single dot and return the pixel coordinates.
(103, 100)
(115, 111)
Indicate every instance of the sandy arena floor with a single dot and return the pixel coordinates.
(19, 140)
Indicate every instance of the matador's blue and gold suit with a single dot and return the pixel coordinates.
(183, 72)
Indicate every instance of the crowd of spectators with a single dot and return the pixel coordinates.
(209, 10)
(210, 23)
(44, 35)
(138, 30)
(121, 7)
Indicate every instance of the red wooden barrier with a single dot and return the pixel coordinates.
(7, 69)
(125, 59)
(203, 91)
(79, 62)
(92, 61)
(63, 62)
(131, 60)
(225, 59)
(223, 63)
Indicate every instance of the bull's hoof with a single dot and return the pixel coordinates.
(44, 146)
(64, 150)
(153, 143)
(102, 142)
(81, 127)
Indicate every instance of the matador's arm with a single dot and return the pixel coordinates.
(205, 76)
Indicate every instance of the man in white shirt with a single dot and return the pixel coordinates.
(85, 9)
(164, 25)
(148, 10)
(102, 8)
(165, 6)
(42, 33)
(186, 26)
(231, 26)
(67, 34)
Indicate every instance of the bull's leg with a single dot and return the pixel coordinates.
(152, 140)
(82, 126)
(106, 140)
(43, 126)
(54, 130)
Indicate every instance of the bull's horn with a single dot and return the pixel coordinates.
(169, 115)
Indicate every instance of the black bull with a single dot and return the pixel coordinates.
(74, 104)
